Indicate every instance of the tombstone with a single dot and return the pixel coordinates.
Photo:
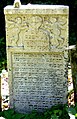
(37, 56)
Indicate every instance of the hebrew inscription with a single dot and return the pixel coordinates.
(36, 76)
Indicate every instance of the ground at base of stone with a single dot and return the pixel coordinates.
(71, 117)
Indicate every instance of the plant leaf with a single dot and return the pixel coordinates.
(72, 110)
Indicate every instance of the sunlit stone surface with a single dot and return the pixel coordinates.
(36, 42)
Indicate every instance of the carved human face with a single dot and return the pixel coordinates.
(18, 20)
(35, 22)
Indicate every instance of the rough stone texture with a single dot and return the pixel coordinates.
(37, 41)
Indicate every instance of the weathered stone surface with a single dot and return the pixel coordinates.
(36, 41)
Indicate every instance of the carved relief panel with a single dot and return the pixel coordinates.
(36, 32)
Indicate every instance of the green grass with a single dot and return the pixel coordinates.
(55, 112)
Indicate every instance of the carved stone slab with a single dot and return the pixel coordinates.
(37, 41)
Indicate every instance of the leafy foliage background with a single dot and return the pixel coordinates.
(55, 112)
(72, 22)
